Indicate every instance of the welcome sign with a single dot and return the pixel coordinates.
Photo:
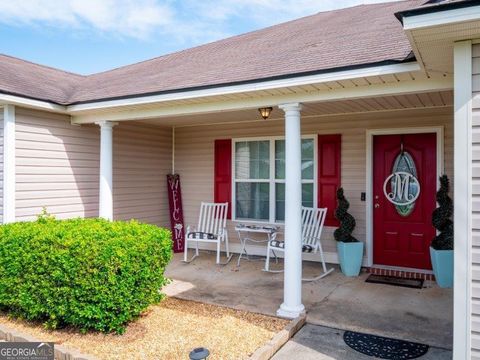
(176, 212)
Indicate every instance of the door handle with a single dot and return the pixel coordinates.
(377, 205)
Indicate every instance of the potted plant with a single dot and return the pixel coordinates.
(441, 248)
(350, 250)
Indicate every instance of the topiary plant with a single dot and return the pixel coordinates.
(347, 221)
(441, 217)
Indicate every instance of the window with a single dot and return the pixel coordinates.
(259, 181)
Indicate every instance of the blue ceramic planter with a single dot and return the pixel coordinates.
(442, 263)
(350, 256)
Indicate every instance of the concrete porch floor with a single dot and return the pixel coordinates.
(420, 315)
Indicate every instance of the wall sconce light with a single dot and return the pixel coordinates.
(265, 112)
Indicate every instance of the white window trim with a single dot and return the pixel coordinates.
(272, 180)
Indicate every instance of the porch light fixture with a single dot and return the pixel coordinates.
(265, 112)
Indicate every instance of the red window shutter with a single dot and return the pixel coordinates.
(223, 173)
(329, 174)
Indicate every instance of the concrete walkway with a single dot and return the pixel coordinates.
(420, 315)
(321, 343)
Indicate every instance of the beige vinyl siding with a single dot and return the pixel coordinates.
(57, 167)
(475, 325)
(142, 157)
(194, 153)
(1, 166)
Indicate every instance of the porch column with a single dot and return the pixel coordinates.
(105, 205)
(462, 201)
(292, 287)
(8, 164)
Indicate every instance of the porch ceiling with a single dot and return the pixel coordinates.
(313, 109)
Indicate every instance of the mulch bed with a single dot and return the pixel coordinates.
(169, 330)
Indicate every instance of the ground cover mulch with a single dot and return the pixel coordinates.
(169, 330)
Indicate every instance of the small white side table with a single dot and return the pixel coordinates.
(244, 231)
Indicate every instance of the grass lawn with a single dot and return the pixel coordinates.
(169, 330)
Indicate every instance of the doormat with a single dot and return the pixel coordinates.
(395, 281)
(382, 347)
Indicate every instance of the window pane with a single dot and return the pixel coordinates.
(280, 202)
(307, 199)
(252, 201)
(307, 195)
(307, 159)
(252, 160)
(279, 159)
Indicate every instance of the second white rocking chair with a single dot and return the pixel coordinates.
(212, 228)
(312, 226)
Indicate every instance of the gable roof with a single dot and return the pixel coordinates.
(364, 35)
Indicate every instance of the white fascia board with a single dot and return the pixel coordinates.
(407, 87)
(444, 17)
(31, 103)
(259, 86)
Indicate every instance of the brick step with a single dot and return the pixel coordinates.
(406, 274)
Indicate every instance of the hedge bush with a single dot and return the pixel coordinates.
(92, 274)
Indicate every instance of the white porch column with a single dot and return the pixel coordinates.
(105, 205)
(462, 201)
(8, 164)
(292, 288)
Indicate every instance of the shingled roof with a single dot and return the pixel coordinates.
(358, 36)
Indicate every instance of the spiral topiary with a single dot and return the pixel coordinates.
(347, 221)
(441, 217)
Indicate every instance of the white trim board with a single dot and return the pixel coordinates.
(32, 103)
(443, 17)
(462, 202)
(9, 172)
(258, 86)
(139, 113)
(369, 169)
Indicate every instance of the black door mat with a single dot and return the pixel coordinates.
(395, 281)
(382, 347)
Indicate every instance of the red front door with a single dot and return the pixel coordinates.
(404, 187)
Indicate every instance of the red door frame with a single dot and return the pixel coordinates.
(370, 134)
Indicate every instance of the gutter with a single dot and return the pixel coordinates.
(409, 59)
(298, 79)
(429, 9)
(30, 102)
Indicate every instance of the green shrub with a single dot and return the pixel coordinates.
(92, 274)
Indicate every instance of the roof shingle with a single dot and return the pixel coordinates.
(355, 36)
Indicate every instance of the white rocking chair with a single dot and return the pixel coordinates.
(312, 226)
(212, 222)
